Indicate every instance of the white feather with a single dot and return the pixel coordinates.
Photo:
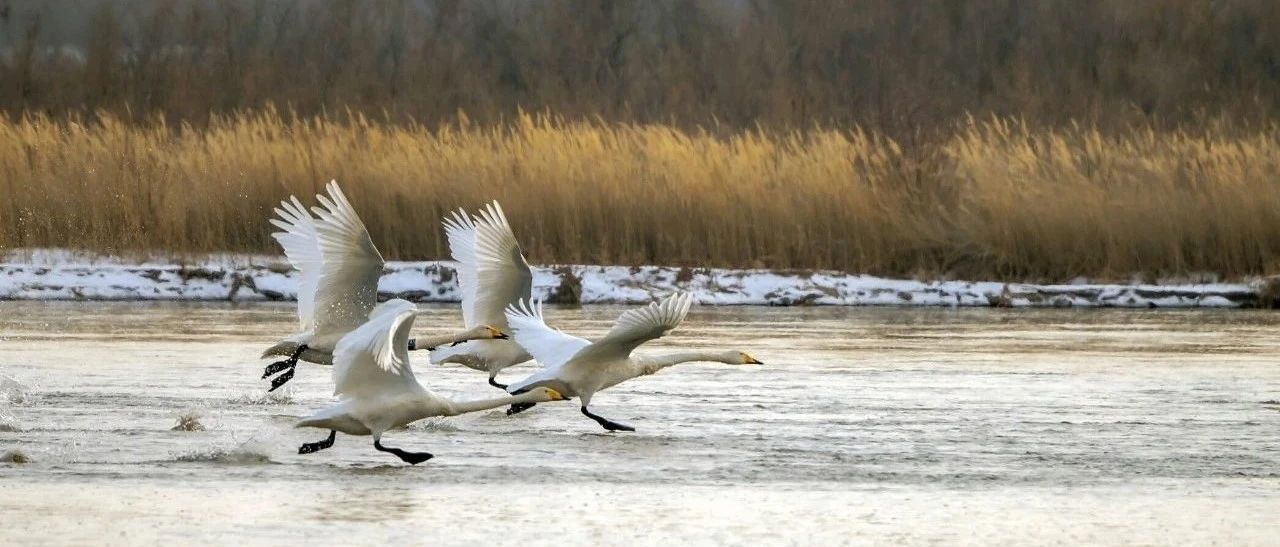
(548, 346)
(373, 359)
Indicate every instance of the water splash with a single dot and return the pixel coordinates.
(13, 392)
(263, 399)
(15, 456)
(188, 421)
(436, 425)
(239, 455)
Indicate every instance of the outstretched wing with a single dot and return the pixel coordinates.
(548, 346)
(492, 272)
(347, 288)
(373, 359)
(502, 275)
(460, 230)
(302, 248)
(635, 327)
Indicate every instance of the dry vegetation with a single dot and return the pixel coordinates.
(997, 199)
(1113, 137)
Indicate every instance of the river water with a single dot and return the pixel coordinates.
(867, 425)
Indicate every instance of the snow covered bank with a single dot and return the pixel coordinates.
(45, 276)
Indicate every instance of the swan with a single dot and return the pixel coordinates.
(339, 269)
(577, 367)
(492, 274)
(377, 388)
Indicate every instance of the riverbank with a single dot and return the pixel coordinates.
(55, 275)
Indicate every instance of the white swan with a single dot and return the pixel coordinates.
(378, 391)
(339, 269)
(492, 274)
(577, 367)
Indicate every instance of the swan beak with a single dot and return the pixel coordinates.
(556, 396)
(497, 334)
(753, 361)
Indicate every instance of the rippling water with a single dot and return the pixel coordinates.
(866, 426)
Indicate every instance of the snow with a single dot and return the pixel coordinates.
(64, 275)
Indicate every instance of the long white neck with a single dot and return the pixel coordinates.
(650, 365)
(446, 339)
(464, 407)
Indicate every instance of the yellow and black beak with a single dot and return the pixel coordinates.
(497, 334)
(556, 395)
(753, 361)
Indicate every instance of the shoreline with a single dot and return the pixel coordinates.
(62, 275)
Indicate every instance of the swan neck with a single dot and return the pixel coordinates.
(663, 361)
(444, 339)
(464, 407)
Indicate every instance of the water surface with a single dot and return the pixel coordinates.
(903, 425)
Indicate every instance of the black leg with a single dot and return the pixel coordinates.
(287, 365)
(495, 383)
(308, 448)
(412, 458)
(607, 423)
(517, 408)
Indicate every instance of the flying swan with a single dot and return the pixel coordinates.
(577, 367)
(492, 274)
(338, 269)
(378, 391)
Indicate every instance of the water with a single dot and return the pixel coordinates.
(916, 426)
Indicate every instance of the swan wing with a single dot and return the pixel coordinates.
(347, 288)
(635, 327)
(301, 246)
(460, 231)
(548, 346)
(373, 359)
(492, 272)
(501, 273)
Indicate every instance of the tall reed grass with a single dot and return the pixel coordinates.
(994, 199)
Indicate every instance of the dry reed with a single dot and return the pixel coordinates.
(998, 199)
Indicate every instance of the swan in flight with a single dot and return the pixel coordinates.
(378, 391)
(338, 269)
(492, 274)
(577, 367)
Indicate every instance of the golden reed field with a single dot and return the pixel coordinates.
(993, 199)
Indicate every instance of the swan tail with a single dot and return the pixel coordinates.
(336, 418)
(452, 354)
(281, 349)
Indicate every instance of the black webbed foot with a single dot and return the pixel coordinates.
(517, 408)
(288, 365)
(281, 379)
(411, 458)
(308, 448)
(606, 423)
(277, 367)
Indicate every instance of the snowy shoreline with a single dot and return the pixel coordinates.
(57, 275)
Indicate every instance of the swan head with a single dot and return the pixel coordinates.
(546, 394)
(485, 332)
